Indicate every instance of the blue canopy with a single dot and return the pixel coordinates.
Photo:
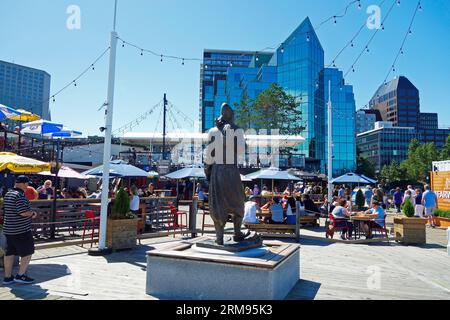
(272, 174)
(352, 178)
(41, 127)
(198, 173)
(118, 168)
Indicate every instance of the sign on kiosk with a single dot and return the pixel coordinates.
(440, 183)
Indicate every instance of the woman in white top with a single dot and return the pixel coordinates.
(251, 208)
(134, 202)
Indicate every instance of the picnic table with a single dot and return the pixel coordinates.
(358, 219)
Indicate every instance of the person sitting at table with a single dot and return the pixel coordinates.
(251, 209)
(341, 215)
(265, 192)
(201, 194)
(310, 206)
(248, 192)
(379, 219)
(46, 190)
(277, 212)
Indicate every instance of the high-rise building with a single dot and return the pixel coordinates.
(25, 88)
(365, 119)
(398, 102)
(343, 122)
(297, 66)
(213, 75)
(385, 143)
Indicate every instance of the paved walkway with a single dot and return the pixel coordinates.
(328, 271)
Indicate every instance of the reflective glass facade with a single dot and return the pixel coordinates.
(25, 88)
(385, 145)
(343, 124)
(298, 67)
(300, 60)
(214, 69)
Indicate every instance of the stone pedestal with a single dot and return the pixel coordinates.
(182, 271)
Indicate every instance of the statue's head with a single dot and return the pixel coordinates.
(227, 113)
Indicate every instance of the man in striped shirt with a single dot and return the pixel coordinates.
(17, 230)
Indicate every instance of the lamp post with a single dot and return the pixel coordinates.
(330, 148)
(102, 249)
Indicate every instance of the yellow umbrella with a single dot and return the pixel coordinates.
(25, 116)
(19, 164)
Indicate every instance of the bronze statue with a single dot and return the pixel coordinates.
(226, 194)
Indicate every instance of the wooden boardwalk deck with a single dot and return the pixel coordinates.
(328, 271)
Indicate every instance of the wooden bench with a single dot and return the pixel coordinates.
(271, 228)
(309, 219)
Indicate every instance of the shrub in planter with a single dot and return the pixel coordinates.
(122, 224)
(359, 199)
(408, 209)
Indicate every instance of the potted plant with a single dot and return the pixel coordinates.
(122, 224)
(360, 200)
(442, 218)
(410, 229)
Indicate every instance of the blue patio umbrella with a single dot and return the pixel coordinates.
(65, 133)
(41, 127)
(198, 173)
(352, 178)
(272, 174)
(118, 168)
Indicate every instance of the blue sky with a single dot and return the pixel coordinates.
(34, 33)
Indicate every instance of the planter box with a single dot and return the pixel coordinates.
(121, 234)
(442, 222)
(411, 230)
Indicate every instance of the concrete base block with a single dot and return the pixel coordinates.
(180, 272)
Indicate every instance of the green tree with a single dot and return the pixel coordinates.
(121, 206)
(445, 152)
(408, 209)
(419, 162)
(365, 166)
(243, 112)
(276, 109)
(392, 173)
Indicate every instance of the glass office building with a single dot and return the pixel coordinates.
(297, 66)
(343, 122)
(385, 143)
(300, 60)
(213, 74)
(398, 101)
(25, 88)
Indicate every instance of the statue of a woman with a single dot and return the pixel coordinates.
(226, 193)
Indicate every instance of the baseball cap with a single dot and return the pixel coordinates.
(22, 179)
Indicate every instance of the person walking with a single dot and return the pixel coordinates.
(398, 199)
(418, 208)
(17, 230)
(429, 200)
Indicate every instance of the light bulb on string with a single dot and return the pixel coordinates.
(398, 2)
(367, 49)
(335, 21)
(182, 63)
(54, 99)
(351, 44)
(74, 83)
(420, 6)
(142, 52)
(410, 31)
(123, 44)
(393, 68)
(359, 4)
(334, 64)
(93, 67)
(382, 26)
(161, 58)
(353, 69)
(307, 37)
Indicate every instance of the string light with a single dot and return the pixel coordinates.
(307, 37)
(398, 2)
(93, 68)
(74, 83)
(182, 63)
(382, 26)
(359, 4)
(335, 21)
(161, 58)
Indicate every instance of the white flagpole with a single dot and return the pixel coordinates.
(108, 136)
(330, 148)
